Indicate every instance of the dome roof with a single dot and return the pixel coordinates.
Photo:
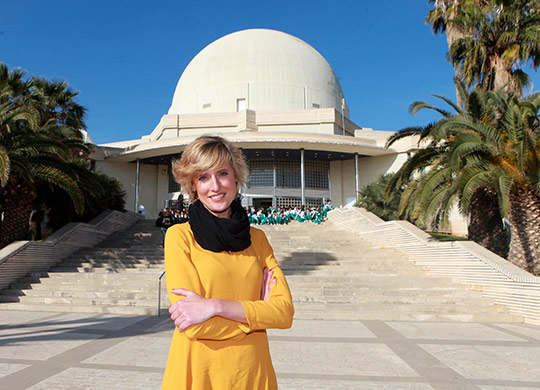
(261, 70)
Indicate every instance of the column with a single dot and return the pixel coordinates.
(356, 177)
(302, 180)
(137, 184)
(274, 197)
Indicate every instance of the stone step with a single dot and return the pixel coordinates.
(398, 308)
(94, 286)
(53, 276)
(108, 268)
(143, 279)
(392, 299)
(338, 290)
(76, 301)
(62, 308)
(334, 315)
(373, 281)
(12, 295)
(283, 261)
(412, 316)
(379, 305)
(85, 294)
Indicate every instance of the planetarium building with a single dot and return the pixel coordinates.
(278, 99)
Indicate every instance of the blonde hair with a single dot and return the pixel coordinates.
(208, 152)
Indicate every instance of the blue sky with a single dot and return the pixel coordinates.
(126, 56)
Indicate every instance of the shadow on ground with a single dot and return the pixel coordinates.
(68, 329)
(305, 262)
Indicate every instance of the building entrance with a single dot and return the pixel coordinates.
(262, 202)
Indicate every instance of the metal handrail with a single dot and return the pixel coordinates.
(159, 295)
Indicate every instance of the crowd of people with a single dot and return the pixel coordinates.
(284, 215)
(269, 216)
(169, 216)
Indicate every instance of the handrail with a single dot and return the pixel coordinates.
(21, 258)
(159, 295)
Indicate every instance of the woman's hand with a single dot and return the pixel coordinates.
(191, 310)
(268, 282)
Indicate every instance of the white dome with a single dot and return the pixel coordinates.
(261, 70)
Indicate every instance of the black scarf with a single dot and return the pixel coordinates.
(220, 234)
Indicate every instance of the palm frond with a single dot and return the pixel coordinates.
(58, 178)
(403, 133)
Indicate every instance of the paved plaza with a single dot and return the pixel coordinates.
(40, 350)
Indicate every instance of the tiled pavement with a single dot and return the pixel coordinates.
(40, 350)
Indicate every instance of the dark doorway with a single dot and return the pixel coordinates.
(262, 202)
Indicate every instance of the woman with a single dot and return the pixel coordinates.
(224, 283)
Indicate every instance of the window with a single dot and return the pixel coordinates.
(288, 173)
(316, 105)
(288, 201)
(313, 202)
(241, 105)
(316, 174)
(261, 173)
(292, 201)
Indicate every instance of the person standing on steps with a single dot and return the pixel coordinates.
(223, 280)
(167, 221)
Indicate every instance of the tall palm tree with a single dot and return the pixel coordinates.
(430, 175)
(490, 41)
(32, 147)
(42, 148)
(487, 159)
(504, 36)
(501, 153)
(441, 18)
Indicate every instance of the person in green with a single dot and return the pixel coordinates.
(261, 217)
(301, 216)
(272, 218)
(326, 206)
(317, 217)
(280, 218)
(251, 219)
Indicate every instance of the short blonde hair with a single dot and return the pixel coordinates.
(208, 152)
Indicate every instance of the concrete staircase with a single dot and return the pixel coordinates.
(118, 276)
(332, 272)
(464, 261)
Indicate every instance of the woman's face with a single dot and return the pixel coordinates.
(216, 189)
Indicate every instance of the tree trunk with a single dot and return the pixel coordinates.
(452, 35)
(525, 231)
(485, 222)
(503, 78)
(17, 209)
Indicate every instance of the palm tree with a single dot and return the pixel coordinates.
(33, 147)
(501, 153)
(487, 159)
(42, 149)
(371, 198)
(504, 37)
(490, 40)
(429, 176)
(441, 18)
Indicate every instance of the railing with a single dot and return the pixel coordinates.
(510, 285)
(159, 295)
(24, 257)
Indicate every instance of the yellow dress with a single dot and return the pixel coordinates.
(221, 353)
